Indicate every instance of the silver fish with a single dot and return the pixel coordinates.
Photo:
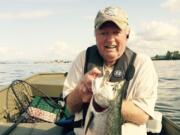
(109, 121)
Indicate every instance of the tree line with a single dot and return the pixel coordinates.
(175, 55)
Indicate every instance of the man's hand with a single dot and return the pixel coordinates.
(85, 84)
(83, 91)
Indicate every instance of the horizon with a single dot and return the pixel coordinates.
(49, 30)
(58, 60)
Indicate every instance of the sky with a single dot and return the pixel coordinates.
(60, 29)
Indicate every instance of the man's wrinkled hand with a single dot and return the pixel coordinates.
(85, 84)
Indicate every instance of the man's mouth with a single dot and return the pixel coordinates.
(110, 46)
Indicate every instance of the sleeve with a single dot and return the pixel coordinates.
(145, 90)
(75, 73)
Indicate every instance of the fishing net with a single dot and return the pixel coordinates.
(21, 102)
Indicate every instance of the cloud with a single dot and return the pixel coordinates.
(155, 38)
(171, 5)
(62, 50)
(58, 50)
(25, 14)
(3, 50)
(7, 53)
(158, 31)
(23, 0)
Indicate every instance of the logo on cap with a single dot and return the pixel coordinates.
(110, 11)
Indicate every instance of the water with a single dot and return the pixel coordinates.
(22, 70)
(168, 90)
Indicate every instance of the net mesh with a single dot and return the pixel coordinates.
(20, 100)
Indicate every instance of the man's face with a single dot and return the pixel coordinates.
(111, 42)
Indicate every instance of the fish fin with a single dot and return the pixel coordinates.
(90, 119)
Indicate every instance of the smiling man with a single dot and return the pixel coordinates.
(110, 58)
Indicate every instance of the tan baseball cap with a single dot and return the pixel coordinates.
(114, 14)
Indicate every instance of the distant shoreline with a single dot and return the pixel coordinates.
(163, 59)
(175, 55)
(36, 62)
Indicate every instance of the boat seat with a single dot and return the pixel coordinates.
(33, 129)
(155, 125)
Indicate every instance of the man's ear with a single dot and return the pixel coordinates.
(127, 32)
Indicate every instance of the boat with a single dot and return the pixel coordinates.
(50, 84)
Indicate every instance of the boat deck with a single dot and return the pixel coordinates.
(32, 129)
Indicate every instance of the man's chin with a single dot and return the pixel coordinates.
(111, 59)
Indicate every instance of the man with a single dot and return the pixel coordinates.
(112, 33)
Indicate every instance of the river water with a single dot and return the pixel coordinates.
(168, 90)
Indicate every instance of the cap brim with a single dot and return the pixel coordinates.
(121, 25)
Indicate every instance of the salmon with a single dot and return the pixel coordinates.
(109, 121)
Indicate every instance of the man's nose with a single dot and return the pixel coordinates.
(110, 38)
